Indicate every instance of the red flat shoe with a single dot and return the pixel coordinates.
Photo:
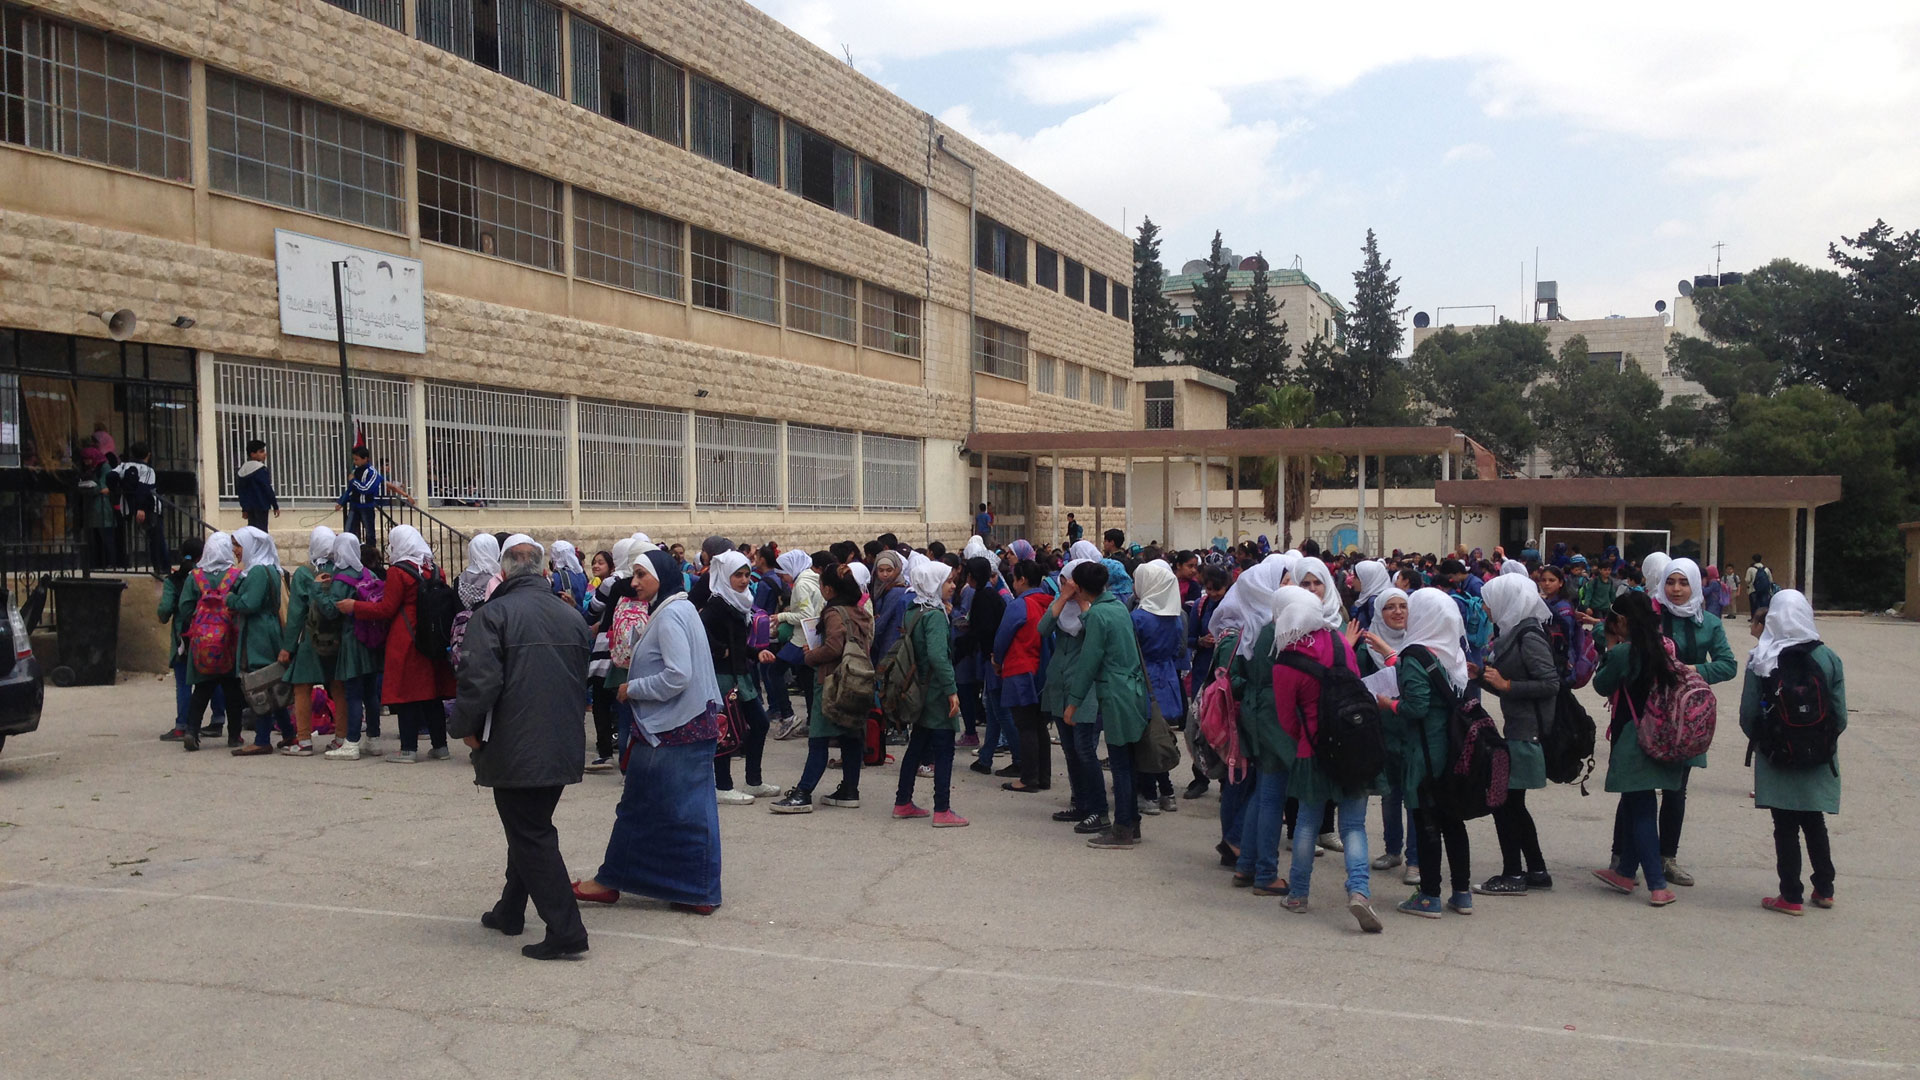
(693, 909)
(611, 896)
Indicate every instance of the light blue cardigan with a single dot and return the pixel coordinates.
(671, 677)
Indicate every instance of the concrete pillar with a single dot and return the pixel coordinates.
(1533, 529)
(1281, 524)
(1058, 525)
(570, 428)
(984, 497)
(1130, 497)
(1620, 529)
(1360, 523)
(1808, 587)
(1166, 500)
(1713, 536)
(1206, 526)
(1233, 532)
(418, 484)
(690, 468)
(1094, 494)
(1381, 545)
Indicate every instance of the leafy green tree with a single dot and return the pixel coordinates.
(1476, 379)
(1212, 342)
(1599, 420)
(1778, 327)
(1155, 320)
(1261, 360)
(1292, 407)
(1364, 382)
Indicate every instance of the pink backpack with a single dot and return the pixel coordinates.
(213, 642)
(370, 589)
(1220, 726)
(1679, 720)
(629, 617)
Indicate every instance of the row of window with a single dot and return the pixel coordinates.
(1080, 487)
(1002, 252)
(488, 447)
(635, 86)
(1078, 383)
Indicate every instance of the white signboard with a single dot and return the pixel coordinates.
(383, 293)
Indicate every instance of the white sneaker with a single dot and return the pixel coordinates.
(346, 752)
(730, 797)
(758, 790)
(370, 747)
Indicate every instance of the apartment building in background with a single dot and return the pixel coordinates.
(607, 266)
(1308, 311)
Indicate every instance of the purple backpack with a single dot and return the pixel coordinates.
(370, 590)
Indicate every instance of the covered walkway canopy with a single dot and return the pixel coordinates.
(1208, 445)
(1601, 505)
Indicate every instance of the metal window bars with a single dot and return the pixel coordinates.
(820, 301)
(892, 320)
(278, 147)
(631, 455)
(819, 468)
(495, 447)
(737, 461)
(296, 411)
(889, 472)
(626, 247)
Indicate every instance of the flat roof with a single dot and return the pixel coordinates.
(1221, 442)
(1188, 372)
(1642, 491)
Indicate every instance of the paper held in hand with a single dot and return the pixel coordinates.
(1385, 683)
(811, 628)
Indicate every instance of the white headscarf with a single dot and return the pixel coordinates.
(644, 565)
(975, 548)
(1512, 600)
(522, 540)
(793, 562)
(1283, 562)
(1513, 566)
(1296, 614)
(1084, 549)
(1157, 588)
(1394, 639)
(567, 557)
(861, 575)
(1653, 571)
(1433, 621)
(623, 557)
(405, 544)
(1248, 605)
(1069, 617)
(1789, 622)
(720, 580)
(320, 545)
(217, 556)
(346, 553)
(1695, 606)
(929, 580)
(483, 555)
(1332, 611)
(1375, 579)
(256, 547)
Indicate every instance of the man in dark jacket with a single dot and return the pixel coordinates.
(523, 675)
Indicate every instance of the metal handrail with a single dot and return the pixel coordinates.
(449, 544)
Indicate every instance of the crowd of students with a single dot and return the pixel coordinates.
(1278, 666)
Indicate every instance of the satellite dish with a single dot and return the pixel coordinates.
(1421, 320)
(1659, 305)
(1194, 266)
(1253, 262)
(120, 324)
(1686, 287)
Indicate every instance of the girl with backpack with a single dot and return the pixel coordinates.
(310, 643)
(602, 680)
(569, 577)
(843, 625)
(1378, 649)
(1312, 574)
(726, 619)
(1433, 679)
(1637, 664)
(412, 683)
(357, 668)
(1522, 672)
(1700, 641)
(179, 617)
(932, 740)
(1793, 678)
(1162, 640)
(1060, 626)
(1264, 741)
(256, 600)
(1374, 579)
(211, 640)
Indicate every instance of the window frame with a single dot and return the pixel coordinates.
(1076, 283)
(303, 185)
(1046, 267)
(999, 250)
(886, 326)
(624, 264)
(1000, 350)
(816, 304)
(763, 307)
(642, 72)
(744, 136)
(1097, 290)
(842, 175)
(910, 205)
(505, 47)
(509, 237)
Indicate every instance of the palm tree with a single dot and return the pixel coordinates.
(1291, 406)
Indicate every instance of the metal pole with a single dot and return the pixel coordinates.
(973, 262)
(346, 378)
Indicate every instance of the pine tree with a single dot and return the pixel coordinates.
(1363, 382)
(1155, 320)
(1212, 342)
(1261, 362)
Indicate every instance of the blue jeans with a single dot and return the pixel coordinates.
(816, 767)
(1234, 795)
(263, 726)
(927, 746)
(183, 696)
(1261, 826)
(999, 730)
(969, 704)
(362, 692)
(1642, 849)
(1399, 822)
(1126, 806)
(1352, 814)
(1082, 744)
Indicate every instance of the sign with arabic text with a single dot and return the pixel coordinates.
(384, 304)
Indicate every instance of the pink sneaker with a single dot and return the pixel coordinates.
(947, 819)
(907, 810)
(967, 740)
(1615, 880)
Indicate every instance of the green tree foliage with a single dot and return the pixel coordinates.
(1364, 382)
(1775, 328)
(1476, 379)
(1155, 320)
(1599, 420)
(1260, 362)
(1291, 406)
(1211, 343)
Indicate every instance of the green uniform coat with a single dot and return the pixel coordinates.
(1106, 679)
(257, 599)
(1815, 788)
(933, 653)
(176, 615)
(189, 601)
(1422, 715)
(1705, 648)
(1066, 655)
(1270, 749)
(1628, 767)
(355, 659)
(308, 668)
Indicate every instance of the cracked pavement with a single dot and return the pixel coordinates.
(307, 918)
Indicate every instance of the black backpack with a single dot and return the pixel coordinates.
(1350, 742)
(435, 606)
(1569, 739)
(1797, 728)
(1472, 781)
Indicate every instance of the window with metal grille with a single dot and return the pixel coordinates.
(1096, 488)
(1043, 373)
(1121, 306)
(820, 170)
(1097, 387)
(274, 146)
(1074, 491)
(735, 131)
(1046, 267)
(735, 277)
(1159, 404)
(819, 468)
(1043, 485)
(891, 202)
(1009, 497)
(488, 206)
(632, 455)
(889, 472)
(1076, 281)
(74, 91)
(820, 301)
(1119, 392)
(296, 412)
(999, 250)
(1097, 290)
(626, 247)
(892, 320)
(1117, 487)
(626, 83)
(999, 350)
(495, 447)
(517, 38)
(737, 462)
(389, 13)
(1072, 387)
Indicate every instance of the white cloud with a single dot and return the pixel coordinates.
(1467, 151)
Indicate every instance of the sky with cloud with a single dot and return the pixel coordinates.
(1623, 141)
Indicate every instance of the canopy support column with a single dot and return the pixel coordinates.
(1206, 522)
(1233, 532)
(1360, 521)
(1166, 500)
(1808, 587)
(1620, 529)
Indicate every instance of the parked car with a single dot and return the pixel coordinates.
(22, 688)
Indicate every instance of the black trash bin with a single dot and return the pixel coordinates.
(89, 641)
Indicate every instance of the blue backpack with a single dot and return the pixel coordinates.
(1473, 616)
